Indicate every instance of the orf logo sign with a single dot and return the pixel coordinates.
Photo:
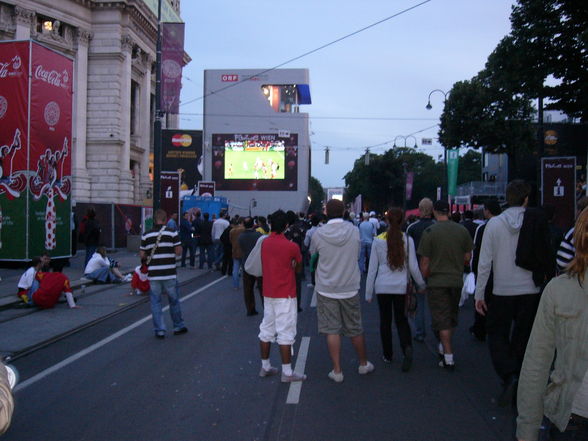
(229, 78)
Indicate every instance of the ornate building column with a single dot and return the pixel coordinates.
(24, 21)
(146, 127)
(125, 178)
(81, 179)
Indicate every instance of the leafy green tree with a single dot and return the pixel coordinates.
(381, 183)
(551, 39)
(478, 113)
(317, 195)
(470, 167)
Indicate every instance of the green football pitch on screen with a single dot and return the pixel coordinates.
(254, 165)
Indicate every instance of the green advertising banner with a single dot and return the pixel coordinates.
(452, 164)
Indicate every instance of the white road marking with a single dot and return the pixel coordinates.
(296, 387)
(69, 360)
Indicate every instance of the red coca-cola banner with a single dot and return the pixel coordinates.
(50, 151)
(14, 98)
(172, 56)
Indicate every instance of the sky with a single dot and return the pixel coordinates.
(368, 89)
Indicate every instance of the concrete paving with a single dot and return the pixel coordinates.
(22, 328)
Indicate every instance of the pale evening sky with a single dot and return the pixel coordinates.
(366, 89)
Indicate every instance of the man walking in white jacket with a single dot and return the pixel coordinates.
(337, 286)
(511, 310)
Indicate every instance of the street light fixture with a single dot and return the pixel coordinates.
(405, 139)
(429, 106)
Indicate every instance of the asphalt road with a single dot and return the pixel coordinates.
(204, 385)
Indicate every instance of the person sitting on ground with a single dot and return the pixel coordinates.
(48, 287)
(45, 262)
(26, 280)
(101, 269)
(140, 282)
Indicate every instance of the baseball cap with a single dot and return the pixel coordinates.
(441, 206)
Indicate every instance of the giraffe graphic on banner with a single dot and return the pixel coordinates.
(49, 181)
(11, 184)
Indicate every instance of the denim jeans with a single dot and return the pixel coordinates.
(419, 318)
(169, 286)
(364, 255)
(236, 267)
(219, 251)
(206, 254)
(188, 247)
(576, 431)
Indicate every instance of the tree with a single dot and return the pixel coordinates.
(470, 167)
(381, 183)
(480, 113)
(317, 195)
(551, 37)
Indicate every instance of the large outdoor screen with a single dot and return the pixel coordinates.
(255, 161)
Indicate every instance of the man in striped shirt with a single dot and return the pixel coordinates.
(567, 250)
(163, 245)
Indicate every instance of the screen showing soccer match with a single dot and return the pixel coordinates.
(257, 159)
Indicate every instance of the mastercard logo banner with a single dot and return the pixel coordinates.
(182, 140)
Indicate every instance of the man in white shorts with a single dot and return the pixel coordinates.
(280, 258)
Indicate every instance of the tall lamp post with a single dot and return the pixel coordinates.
(158, 117)
(429, 107)
(404, 169)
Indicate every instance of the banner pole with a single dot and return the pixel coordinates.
(158, 116)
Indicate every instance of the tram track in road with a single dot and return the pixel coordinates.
(16, 355)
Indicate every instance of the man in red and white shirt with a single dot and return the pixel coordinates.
(280, 258)
(48, 287)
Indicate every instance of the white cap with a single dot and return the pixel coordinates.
(372, 213)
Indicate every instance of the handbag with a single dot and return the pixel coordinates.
(253, 263)
(410, 298)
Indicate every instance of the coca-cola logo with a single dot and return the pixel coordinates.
(3, 106)
(52, 113)
(52, 77)
(10, 68)
(172, 69)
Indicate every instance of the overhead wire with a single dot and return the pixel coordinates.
(404, 11)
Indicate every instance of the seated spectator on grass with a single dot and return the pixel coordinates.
(48, 287)
(27, 279)
(102, 269)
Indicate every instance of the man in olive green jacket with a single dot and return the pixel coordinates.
(561, 324)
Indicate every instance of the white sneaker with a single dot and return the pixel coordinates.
(127, 278)
(268, 373)
(366, 369)
(336, 377)
(293, 377)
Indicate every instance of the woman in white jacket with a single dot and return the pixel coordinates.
(388, 277)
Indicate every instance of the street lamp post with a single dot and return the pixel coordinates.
(158, 117)
(404, 168)
(405, 138)
(429, 107)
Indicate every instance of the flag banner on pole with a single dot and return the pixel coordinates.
(452, 164)
(172, 56)
(409, 185)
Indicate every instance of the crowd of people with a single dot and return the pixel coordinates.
(523, 310)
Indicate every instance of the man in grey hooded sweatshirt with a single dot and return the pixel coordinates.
(511, 309)
(337, 286)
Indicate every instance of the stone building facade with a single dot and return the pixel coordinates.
(113, 45)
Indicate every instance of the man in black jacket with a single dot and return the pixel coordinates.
(204, 232)
(247, 240)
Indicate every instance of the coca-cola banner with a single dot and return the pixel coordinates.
(50, 152)
(35, 151)
(172, 61)
(14, 97)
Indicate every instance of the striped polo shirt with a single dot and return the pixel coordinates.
(163, 263)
